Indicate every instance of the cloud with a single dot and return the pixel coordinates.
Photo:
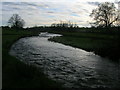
(56, 0)
(46, 13)
(94, 3)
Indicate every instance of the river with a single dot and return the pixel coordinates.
(74, 67)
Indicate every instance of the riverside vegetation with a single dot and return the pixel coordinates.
(17, 74)
(102, 41)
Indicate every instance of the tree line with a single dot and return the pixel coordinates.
(65, 24)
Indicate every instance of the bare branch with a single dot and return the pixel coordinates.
(105, 14)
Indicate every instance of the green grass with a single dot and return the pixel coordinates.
(17, 74)
(81, 34)
(103, 44)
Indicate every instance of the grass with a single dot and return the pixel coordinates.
(17, 74)
(103, 44)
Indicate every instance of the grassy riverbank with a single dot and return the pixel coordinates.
(15, 73)
(103, 43)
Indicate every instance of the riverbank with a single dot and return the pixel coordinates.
(104, 44)
(17, 74)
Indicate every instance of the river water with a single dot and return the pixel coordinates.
(74, 67)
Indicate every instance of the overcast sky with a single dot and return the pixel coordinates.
(46, 12)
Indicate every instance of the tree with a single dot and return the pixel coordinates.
(105, 15)
(65, 25)
(16, 21)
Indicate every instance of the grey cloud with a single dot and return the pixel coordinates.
(26, 3)
(80, 21)
(50, 12)
(6, 9)
(86, 10)
(10, 3)
(41, 4)
(10, 6)
(46, 12)
(93, 3)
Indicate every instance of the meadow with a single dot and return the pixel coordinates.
(102, 42)
(16, 74)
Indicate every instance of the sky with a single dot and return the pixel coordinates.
(46, 12)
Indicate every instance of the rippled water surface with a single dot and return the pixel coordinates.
(72, 66)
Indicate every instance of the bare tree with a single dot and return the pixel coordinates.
(105, 15)
(65, 24)
(16, 21)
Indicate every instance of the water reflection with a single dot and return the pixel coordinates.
(72, 66)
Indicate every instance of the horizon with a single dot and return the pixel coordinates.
(45, 13)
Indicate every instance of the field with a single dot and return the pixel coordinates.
(104, 43)
(15, 73)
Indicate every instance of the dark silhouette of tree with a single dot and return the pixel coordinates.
(105, 15)
(16, 21)
(64, 25)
